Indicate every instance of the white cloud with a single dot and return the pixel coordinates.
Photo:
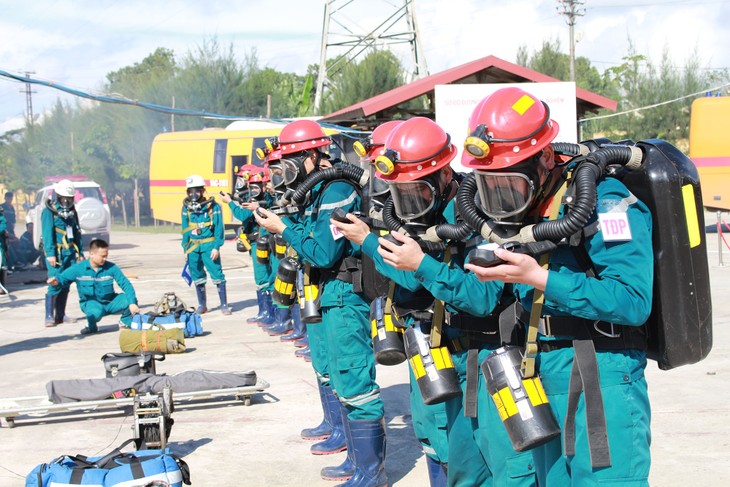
(78, 42)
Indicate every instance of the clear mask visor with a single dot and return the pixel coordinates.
(504, 194)
(412, 199)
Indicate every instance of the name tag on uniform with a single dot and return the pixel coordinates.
(69, 232)
(336, 234)
(615, 227)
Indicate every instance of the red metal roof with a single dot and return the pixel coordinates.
(489, 69)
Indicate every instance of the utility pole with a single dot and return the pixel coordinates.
(338, 31)
(28, 99)
(571, 9)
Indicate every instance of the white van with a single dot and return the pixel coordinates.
(91, 206)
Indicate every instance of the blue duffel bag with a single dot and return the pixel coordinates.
(115, 469)
(190, 322)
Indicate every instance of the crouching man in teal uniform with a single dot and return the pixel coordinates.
(202, 238)
(95, 280)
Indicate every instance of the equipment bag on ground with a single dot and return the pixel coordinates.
(116, 469)
(189, 321)
(153, 340)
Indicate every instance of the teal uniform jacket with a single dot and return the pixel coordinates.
(3, 228)
(202, 232)
(264, 274)
(62, 240)
(344, 313)
(96, 291)
(479, 450)
(621, 293)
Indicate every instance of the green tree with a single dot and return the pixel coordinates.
(376, 73)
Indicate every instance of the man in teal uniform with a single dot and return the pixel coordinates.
(95, 280)
(344, 311)
(202, 238)
(601, 288)
(61, 245)
(416, 166)
(3, 251)
(620, 294)
(249, 194)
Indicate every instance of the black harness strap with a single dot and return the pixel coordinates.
(472, 383)
(584, 377)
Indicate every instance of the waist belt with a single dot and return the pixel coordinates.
(585, 337)
(472, 341)
(349, 270)
(469, 323)
(194, 244)
(605, 336)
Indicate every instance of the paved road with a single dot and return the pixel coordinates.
(228, 444)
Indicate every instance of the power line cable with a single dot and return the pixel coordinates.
(654, 105)
(155, 107)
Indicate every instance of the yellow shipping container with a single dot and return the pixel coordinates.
(214, 154)
(709, 149)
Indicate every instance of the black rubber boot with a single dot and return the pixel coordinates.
(302, 352)
(202, 299)
(346, 469)
(324, 429)
(336, 441)
(260, 304)
(225, 309)
(50, 305)
(436, 472)
(3, 280)
(60, 307)
(368, 445)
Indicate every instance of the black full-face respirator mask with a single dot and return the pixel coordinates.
(65, 206)
(507, 196)
(295, 171)
(247, 192)
(194, 201)
(419, 203)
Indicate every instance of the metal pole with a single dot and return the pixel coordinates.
(719, 238)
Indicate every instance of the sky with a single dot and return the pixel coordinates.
(76, 43)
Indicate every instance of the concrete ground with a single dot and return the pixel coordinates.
(228, 444)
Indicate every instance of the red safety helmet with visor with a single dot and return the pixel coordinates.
(299, 140)
(415, 152)
(510, 129)
(507, 127)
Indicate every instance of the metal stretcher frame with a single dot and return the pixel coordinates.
(39, 406)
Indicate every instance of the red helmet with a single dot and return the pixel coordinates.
(507, 127)
(301, 135)
(414, 149)
(374, 145)
(249, 169)
(261, 176)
